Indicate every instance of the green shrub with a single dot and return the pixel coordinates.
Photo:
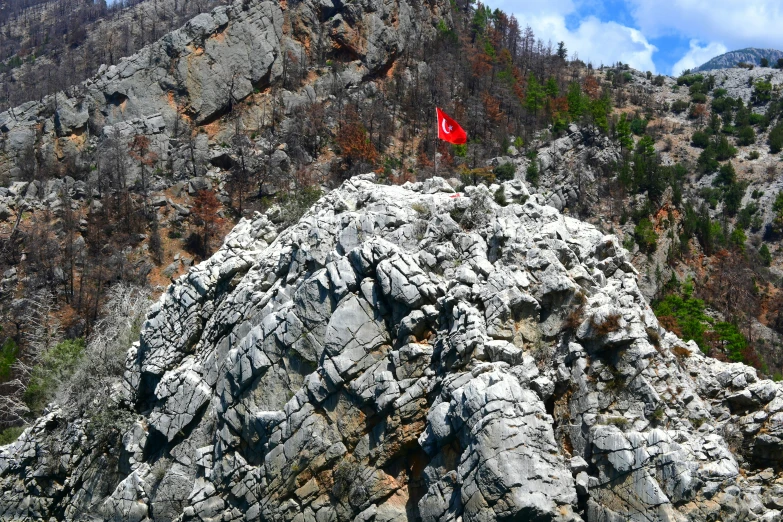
(776, 139)
(500, 196)
(707, 162)
(680, 106)
(742, 117)
(505, 172)
(732, 197)
(638, 126)
(732, 340)
(684, 315)
(690, 79)
(719, 93)
(724, 150)
(765, 255)
(697, 87)
(754, 155)
(737, 239)
(746, 136)
(460, 151)
(777, 208)
(9, 435)
(762, 92)
(758, 119)
(724, 104)
(746, 215)
(55, 367)
(532, 173)
(711, 196)
(645, 236)
(726, 175)
(699, 97)
(8, 354)
(700, 139)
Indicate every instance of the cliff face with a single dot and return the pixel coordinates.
(750, 55)
(195, 74)
(408, 353)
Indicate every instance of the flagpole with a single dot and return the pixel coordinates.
(435, 156)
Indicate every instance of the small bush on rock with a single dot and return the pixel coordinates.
(700, 139)
(620, 422)
(610, 323)
(645, 236)
(505, 172)
(680, 106)
(500, 196)
(776, 139)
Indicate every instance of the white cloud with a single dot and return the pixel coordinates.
(535, 7)
(734, 23)
(593, 40)
(697, 55)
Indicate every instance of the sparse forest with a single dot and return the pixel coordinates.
(46, 46)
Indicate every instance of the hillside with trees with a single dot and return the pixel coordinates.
(46, 46)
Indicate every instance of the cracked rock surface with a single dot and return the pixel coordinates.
(411, 353)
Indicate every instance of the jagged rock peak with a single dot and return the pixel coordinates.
(412, 353)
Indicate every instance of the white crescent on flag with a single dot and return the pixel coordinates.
(448, 129)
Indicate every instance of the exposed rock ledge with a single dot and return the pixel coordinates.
(382, 361)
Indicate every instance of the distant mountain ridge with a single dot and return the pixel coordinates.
(750, 55)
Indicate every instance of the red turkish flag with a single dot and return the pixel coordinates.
(449, 130)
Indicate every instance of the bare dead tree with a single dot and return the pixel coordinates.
(42, 332)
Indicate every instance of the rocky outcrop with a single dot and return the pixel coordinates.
(739, 83)
(411, 353)
(195, 74)
(750, 55)
(568, 166)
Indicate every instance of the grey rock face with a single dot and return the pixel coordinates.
(197, 72)
(750, 55)
(377, 363)
(568, 167)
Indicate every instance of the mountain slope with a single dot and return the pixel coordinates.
(48, 46)
(197, 73)
(408, 353)
(750, 55)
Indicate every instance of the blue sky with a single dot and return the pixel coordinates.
(663, 36)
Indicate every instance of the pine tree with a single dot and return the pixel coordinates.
(551, 88)
(765, 255)
(624, 135)
(562, 51)
(534, 100)
(576, 104)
